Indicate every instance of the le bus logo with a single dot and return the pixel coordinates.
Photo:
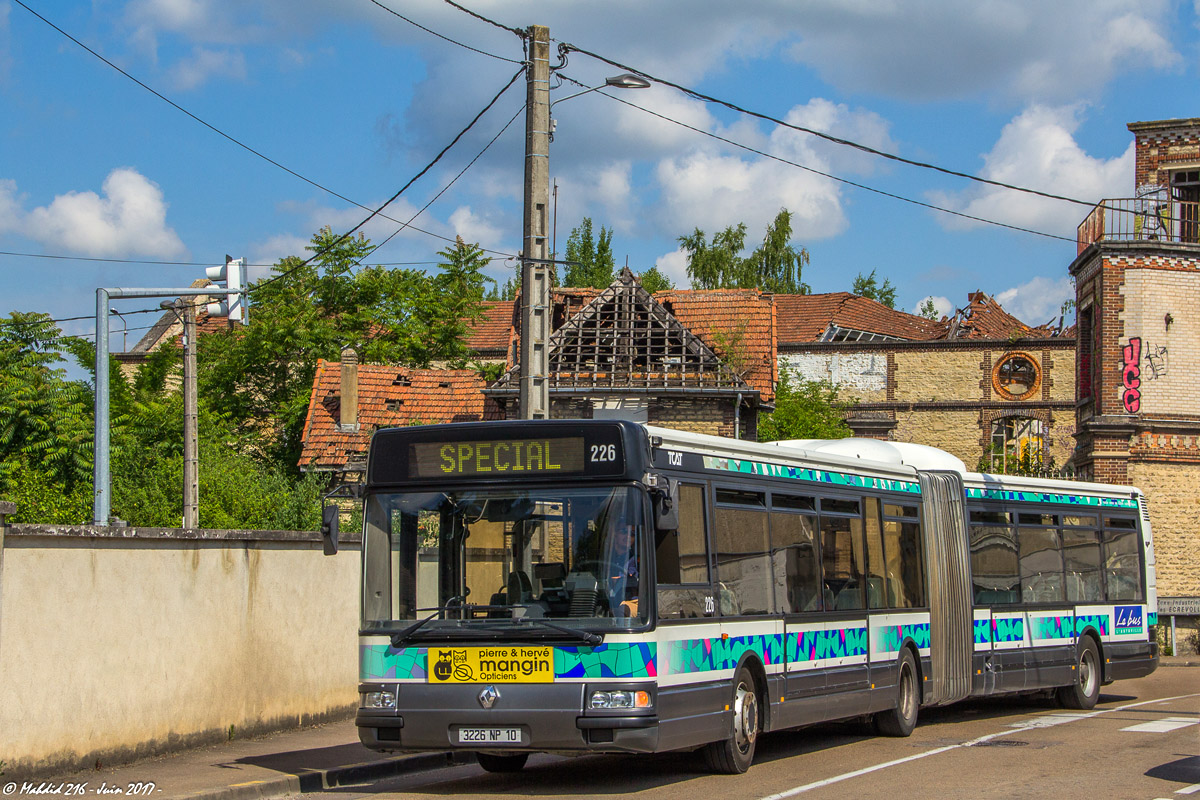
(1128, 619)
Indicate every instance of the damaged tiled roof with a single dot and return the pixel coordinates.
(984, 318)
(491, 333)
(805, 318)
(387, 396)
(738, 324)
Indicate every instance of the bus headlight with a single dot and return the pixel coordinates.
(379, 700)
(602, 699)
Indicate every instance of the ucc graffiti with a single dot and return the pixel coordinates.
(1131, 375)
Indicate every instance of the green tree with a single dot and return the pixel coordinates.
(775, 266)
(928, 310)
(869, 287)
(590, 258)
(45, 423)
(653, 280)
(804, 410)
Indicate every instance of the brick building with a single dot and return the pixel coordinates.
(980, 384)
(1137, 276)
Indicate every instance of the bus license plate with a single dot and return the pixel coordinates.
(489, 736)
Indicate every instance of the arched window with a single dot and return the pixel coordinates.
(1018, 445)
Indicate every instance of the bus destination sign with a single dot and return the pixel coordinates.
(497, 457)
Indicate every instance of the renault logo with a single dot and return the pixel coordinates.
(488, 697)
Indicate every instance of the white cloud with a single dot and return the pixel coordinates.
(1038, 300)
(203, 64)
(130, 219)
(274, 249)
(475, 228)
(1038, 150)
(941, 305)
(674, 266)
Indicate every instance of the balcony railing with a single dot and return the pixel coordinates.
(1141, 219)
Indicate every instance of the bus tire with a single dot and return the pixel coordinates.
(1084, 691)
(901, 719)
(733, 756)
(497, 763)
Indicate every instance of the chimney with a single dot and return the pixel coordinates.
(349, 404)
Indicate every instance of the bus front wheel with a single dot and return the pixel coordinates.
(733, 756)
(901, 720)
(1085, 690)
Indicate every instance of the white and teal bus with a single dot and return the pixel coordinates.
(605, 586)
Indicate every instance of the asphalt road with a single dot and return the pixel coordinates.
(1141, 741)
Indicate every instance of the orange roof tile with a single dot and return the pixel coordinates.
(492, 332)
(806, 317)
(387, 396)
(738, 324)
(984, 318)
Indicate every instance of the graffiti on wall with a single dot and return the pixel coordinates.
(1156, 361)
(1131, 375)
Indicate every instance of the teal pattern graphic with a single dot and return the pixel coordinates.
(1047, 497)
(812, 475)
(1152, 618)
(624, 660)
(1008, 630)
(1099, 622)
(1059, 627)
(687, 656)
(636, 660)
(889, 638)
(380, 661)
(983, 631)
(837, 643)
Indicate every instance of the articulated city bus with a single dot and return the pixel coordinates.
(605, 586)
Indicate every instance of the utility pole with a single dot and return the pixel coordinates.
(535, 264)
(191, 458)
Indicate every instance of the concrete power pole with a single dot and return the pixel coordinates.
(191, 459)
(535, 265)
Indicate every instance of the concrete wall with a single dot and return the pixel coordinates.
(116, 644)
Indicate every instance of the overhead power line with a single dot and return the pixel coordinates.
(60, 257)
(567, 48)
(226, 136)
(517, 31)
(814, 171)
(402, 189)
(432, 32)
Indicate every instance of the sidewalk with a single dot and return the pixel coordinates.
(280, 764)
(285, 763)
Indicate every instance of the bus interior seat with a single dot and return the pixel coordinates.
(520, 588)
(875, 592)
(849, 598)
(584, 591)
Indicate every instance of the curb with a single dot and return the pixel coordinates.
(1185, 663)
(323, 779)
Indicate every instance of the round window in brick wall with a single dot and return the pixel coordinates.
(1016, 376)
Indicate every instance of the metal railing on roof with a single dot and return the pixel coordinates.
(1152, 218)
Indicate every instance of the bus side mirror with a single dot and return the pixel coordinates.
(329, 528)
(666, 507)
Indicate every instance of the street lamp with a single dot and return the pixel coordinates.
(124, 330)
(626, 80)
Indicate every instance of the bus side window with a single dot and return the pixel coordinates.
(1122, 560)
(880, 594)
(745, 582)
(994, 568)
(1041, 563)
(1081, 559)
(905, 554)
(681, 560)
(794, 548)
(842, 555)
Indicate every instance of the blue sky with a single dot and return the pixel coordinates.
(94, 166)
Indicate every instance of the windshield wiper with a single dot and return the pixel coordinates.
(398, 639)
(587, 637)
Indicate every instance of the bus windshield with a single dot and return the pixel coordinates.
(466, 562)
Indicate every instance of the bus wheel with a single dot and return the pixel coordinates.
(495, 763)
(901, 720)
(1085, 690)
(734, 755)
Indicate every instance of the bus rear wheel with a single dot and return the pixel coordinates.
(497, 763)
(901, 720)
(733, 756)
(1085, 690)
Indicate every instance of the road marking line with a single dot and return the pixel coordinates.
(1195, 787)
(1165, 725)
(937, 751)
